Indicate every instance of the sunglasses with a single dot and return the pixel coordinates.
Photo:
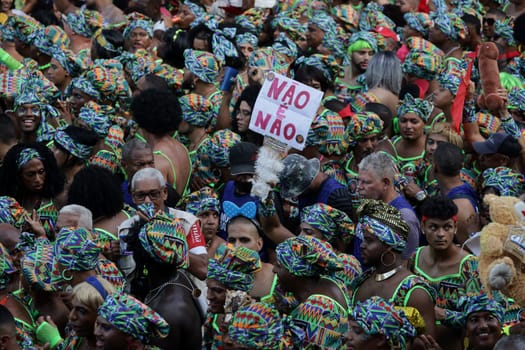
(489, 21)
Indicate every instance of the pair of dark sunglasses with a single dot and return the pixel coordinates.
(489, 21)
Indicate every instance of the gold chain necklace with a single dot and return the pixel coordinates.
(384, 276)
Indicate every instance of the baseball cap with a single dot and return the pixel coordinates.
(297, 175)
(242, 158)
(498, 143)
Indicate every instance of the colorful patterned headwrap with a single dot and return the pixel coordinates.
(26, 155)
(99, 38)
(84, 85)
(377, 316)
(319, 323)
(7, 268)
(324, 22)
(132, 317)
(220, 145)
(269, 59)
(196, 110)
(164, 238)
(332, 222)
(257, 326)
(11, 212)
(144, 24)
(347, 16)
(97, 117)
(372, 16)
(504, 180)
(202, 201)
(363, 124)
(285, 45)
(420, 107)
(75, 249)
(306, 256)
(382, 221)
(25, 28)
(84, 22)
(452, 76)
(424, 60)
(203, 64)
(234, 267)
(481, 302)
(107, 77)
(504, 30)
(327, 133)
(57, 36)
(68, 60)
(197, 10)
(138, 63)
(247, 38)
(419, 21)
(38, 267)
(362, 40)
(291, 26)
(488, 123)
(450, 24)
(222, 41)
(256, 16)
(327, 64)
(75, 148)
(517, 99)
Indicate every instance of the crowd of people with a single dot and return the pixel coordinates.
(128, 218)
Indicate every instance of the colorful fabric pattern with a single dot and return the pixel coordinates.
(419, 21)
(291, 26)
(7, 268)
(352, 270)
(362, 40)
(144, 24)
(305, 256)
(196, 110)
(26, 155)
(488, 123)
(234, 267)
(24, 28)
(247, 38)
(84, 22)
(372, 16)
(99, 38)
(332, 222)
(504, 180)
(363, 124)
(285, 46)
(516, 99)
(378, 316)
(131, 316)
(424, 60)
(450, 24)
(68, 60)
(347, 16)
(107, 77)
(11, 212)
(220, 145)
(38, 267)
(203, 64)
(327, 133)
(202, 201)
(75, 249)
(75, 148)
(84, 85)
(327, 64)
(482, 302)
(418, 106)
(97, 117)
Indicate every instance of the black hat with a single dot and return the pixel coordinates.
(242, 158)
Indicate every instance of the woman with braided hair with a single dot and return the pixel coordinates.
(383, 234)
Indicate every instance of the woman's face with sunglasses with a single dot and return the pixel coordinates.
(488, 26)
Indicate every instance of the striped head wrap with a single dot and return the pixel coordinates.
(372, 16)
(107, 77)
(449, 23)
(220, 145)
(327, 64)
(100, 39)
(247, 38)
(363, 124)
(222, 41)
(132, 317)
(7, 268)
(145, 24)
(327, 133)
(84, 85)
(451, 77)
(306, 256)
(75, 249)
(68, 60)
(424, 60)
(38, 267)
(384, 222)
(11, 212)
(419, 21)
(285, 45)
(504, 30)
(24, 28)
(291, 26)
(346, 15)
(138, 63)
(234, 267)
(57, 36)
(488, 123)
(197, 10)
(327, 24)
(84, 22)
(196, 110)
(377, 316)
(332, 222)
(75, 148)
(97, 117)
(202, 201)
(504, 180)
(362, 40)
(26, 155)
(203, 64)
(420, 107)
(481, 302)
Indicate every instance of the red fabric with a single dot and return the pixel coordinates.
(402, 53)
(459, 101)
(346, 112)
(195, 237)
(423, 6)
(423, 87)
(386, 33)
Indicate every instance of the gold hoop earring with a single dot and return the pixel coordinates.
(383, 258)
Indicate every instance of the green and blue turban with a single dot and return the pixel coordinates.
(517, 99)
(327, 64)
(11, 212)
(107, 77)
(163, 238)
(68, 60)
(424, 60)
(382, 221)
(84, 85)
(75, 148)
(327, 133)
(84, 22)
(306, 256)
(196, 110)
(290, 26)
(285, 45)
(97, 117)
(450, 24)
(220, 145)
(347, 15)
(327, 24)
(25, 28)
(372, 16)
(269, 59)
(75, 249)
(203, 64)
(377, 316)
(144, 24)
(504, 30)
(197, 11)
(420, 107)
(222, 40)
(332, 222)
(57, 36)
(38, 266)
(132, 317)
(26, 155)
(258, 326)
(234, 267)
(100, 39)
(247, 38)
(363, 124)
(7, 268)
(419, 21)
(362, 40)
(452, 76)
(138, 63)
(479, 303)
(202, 201)
(504, 180)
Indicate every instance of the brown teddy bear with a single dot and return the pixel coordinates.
(502, 258)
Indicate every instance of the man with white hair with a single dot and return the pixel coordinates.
(74, 215)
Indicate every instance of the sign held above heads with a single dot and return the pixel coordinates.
(285, 109)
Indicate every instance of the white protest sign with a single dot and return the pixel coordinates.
(285, 110)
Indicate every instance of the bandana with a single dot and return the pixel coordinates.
(164, 238)
(419, 21)
(420, 107)
(504, 30)
(203, 64)
(308, 257)
(196, 110)
(452, 76)
(363, 124)
(99, 38)
(68, 60)
(11, 212)
(220, 145)
(145, 24)
(25, 28)
(286, 46)
(84, 85)
(424, 60)
(7, 268)
(327, 64)
(450, 24)
(517, 99)
(383, 222)
(362, 40)
(84, 22)
(75, 249)
(97, 117)
(75, 148)
(38, 267)
(247, 38)
(320, 322)
(479, 303)
(372, 16)
(330, 221)
(132, 317)
(327, 133)
(291, 26)
(377, 316)
(234, 267)
(257, 326)
(504, 180)
(26, 155)
(202, 201)
(347, 16)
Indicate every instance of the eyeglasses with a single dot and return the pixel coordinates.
(489, 21)
(153, 195)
